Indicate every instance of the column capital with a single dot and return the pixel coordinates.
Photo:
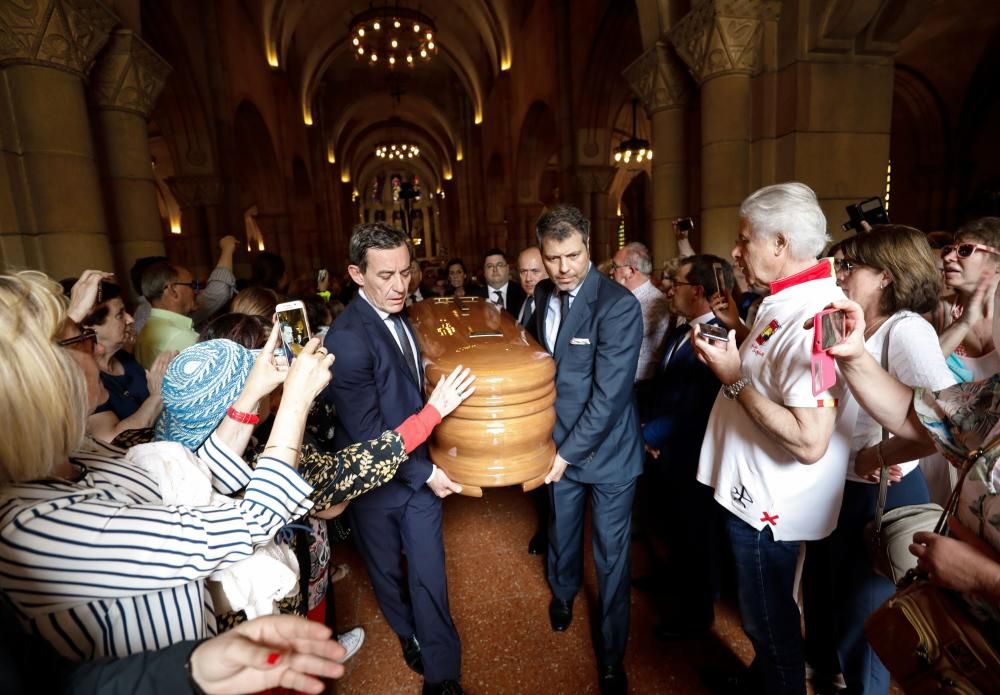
(719, 37)
(129, 75)
(63, 34)
(193, 191)
(594, 179)
(659, 79)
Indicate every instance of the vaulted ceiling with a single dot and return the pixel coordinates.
(358, 105)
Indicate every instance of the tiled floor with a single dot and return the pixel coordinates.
(499, 600)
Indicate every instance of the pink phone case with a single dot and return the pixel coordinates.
(823, 366)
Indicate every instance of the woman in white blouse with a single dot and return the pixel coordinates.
(91, 557)
(890, 271)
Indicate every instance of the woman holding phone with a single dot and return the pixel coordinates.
(891, 273)
(72, 507)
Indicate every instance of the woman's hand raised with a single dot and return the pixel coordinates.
(309, 373)
(451, 390)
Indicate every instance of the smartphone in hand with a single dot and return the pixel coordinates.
(294, 327)
(713, 332)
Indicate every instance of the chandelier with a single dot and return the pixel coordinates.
(633, 149)
(397, 151)
(392, 36)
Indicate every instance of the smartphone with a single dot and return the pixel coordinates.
(685, 224)
(322, 275)
(720, 279)
(830, 328)
(294, 327)
(713, 332)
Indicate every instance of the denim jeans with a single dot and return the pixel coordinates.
(841, 590)
(765, 576)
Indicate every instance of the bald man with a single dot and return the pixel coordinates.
(530, 271)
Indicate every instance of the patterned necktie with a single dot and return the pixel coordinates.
(499, 298)
(404, 345)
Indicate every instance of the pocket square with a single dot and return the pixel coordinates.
(579, 341)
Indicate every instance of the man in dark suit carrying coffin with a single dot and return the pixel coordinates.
(378, 383)
(593, 328)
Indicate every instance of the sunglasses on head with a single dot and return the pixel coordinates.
(966, 250)
(84, 342)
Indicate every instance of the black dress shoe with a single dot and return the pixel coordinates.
(443, 688)
(729, 682)
(560, 614)
(539, 544)
(411, 653)
(612, 680)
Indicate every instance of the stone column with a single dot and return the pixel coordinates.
(197, 246)
(721, 40)
(658, 78)
(53, 215)
(592, 185)
(124, 86)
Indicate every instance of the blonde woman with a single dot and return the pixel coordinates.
(89, 554)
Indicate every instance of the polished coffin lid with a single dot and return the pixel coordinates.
(501, 435)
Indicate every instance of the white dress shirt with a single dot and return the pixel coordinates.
(553, 317)
(503, 293)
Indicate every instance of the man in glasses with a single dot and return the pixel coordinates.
(171, 291)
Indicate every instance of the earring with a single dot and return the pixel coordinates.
(881, 285)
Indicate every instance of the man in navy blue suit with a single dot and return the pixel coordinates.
(683, 391)
(378, 383)
(593, 328)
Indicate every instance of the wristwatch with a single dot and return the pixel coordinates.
(732, 391)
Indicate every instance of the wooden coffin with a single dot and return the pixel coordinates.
(501, 435)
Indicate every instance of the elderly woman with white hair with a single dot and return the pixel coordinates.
(90, 555)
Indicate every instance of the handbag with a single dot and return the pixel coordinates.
(924, 636)
(889, 535)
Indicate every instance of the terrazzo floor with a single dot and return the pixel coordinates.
(499, 600)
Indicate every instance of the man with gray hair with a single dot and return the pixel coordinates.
(172, 292)
(776, 451)
(631, 267)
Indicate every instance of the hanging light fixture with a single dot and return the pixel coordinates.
(396, 150)
(393, 36)
(634, 150)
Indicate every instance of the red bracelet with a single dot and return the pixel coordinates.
(244, 418)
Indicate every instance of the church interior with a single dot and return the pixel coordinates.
(136, 128)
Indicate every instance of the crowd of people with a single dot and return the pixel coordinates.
(169, 478)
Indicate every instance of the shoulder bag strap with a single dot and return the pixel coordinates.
(883, 478)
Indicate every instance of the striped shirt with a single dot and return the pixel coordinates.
(102, 567)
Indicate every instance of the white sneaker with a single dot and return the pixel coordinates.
(351, 641)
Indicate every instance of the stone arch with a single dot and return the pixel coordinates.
(979, 176)
(637, 209)
(921, 148)
(537, 144)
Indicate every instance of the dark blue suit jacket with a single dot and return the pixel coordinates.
(684, 391)
(373, 391)
(596, 354)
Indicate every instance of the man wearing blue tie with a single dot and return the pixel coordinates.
(593, 328)
(683, 391)
(378, 385)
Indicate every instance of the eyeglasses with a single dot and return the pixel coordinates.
(195, 286)
(615, 266)
(682, 282)
(84, 342)
(495, 266)
(846, 265)
(966, 250)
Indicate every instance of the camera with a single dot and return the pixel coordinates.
(685, 224)
(871, 210)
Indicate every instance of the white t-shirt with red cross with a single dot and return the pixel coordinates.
(754, 477)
